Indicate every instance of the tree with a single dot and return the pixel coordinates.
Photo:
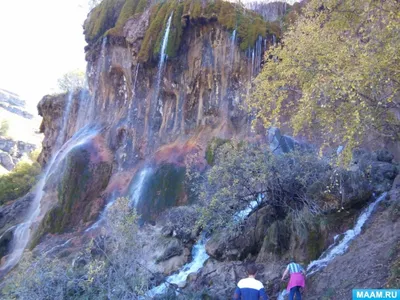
(4, 127)
(72, 80)
(246, 175)
(336, 72)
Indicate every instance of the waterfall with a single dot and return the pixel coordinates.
(340, 248)
(135, 194)
(62, 136)
(131, 109)
(252, 62)
(233, 42)
(199, 256)
(258, 54)
(90, 114)
(335, 250)
(241, 215)
(22, 233)
(163, 56)
(274, 40)
(138, 185)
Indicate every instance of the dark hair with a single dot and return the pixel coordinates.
(251, 269)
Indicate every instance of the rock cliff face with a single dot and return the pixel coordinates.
(156, 111)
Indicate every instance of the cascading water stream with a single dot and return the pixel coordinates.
(63, 132)
(137, 188)
(337, 249)
(252, 62)
(135, 194)
(340, 248)
(233, 42)
(199, 255)
(163, 57)
(22, 233)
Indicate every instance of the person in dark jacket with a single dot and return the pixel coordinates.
(250, 288)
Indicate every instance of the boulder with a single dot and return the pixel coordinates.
(13, 213)
(224, 246)
(6, 161)
(180, 222)
(384, 155)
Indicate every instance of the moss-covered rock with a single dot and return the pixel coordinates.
(83, 178)
(163, 189)
(212, 146)
(102, 18)
(277, 239)
(110, 16)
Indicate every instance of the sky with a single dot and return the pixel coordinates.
(40, 41)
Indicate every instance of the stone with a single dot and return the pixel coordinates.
(13, 213)
(174, 250)
(384, 155)
(223, 246)
(6, 161)
(12, 151)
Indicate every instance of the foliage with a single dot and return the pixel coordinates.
(72, 80)
(244, 173)
(108, 268)
(19, 181)
(102, 18)
(336, 72)
(212, 146)
(231, 16)
(4, 127)
(110, 16)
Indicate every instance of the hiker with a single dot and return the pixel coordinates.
(250, 288)
(296, 281)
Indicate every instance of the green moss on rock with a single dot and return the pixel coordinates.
(212, 146)
(81, 182)
(166, 188)
(102, 18)
(111, 15)
(277, 238)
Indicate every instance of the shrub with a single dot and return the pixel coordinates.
(107, 268)
(243, 172)
(19, 181)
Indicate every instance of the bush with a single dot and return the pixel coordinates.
(243, 172)
(107, 268)
(19, 181)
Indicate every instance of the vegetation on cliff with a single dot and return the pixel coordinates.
(231, 16)
(242, 172)
(336, 73)
(110, 16)
(20, 180)
(107, 268)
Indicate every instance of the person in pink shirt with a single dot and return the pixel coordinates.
(297, 279)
